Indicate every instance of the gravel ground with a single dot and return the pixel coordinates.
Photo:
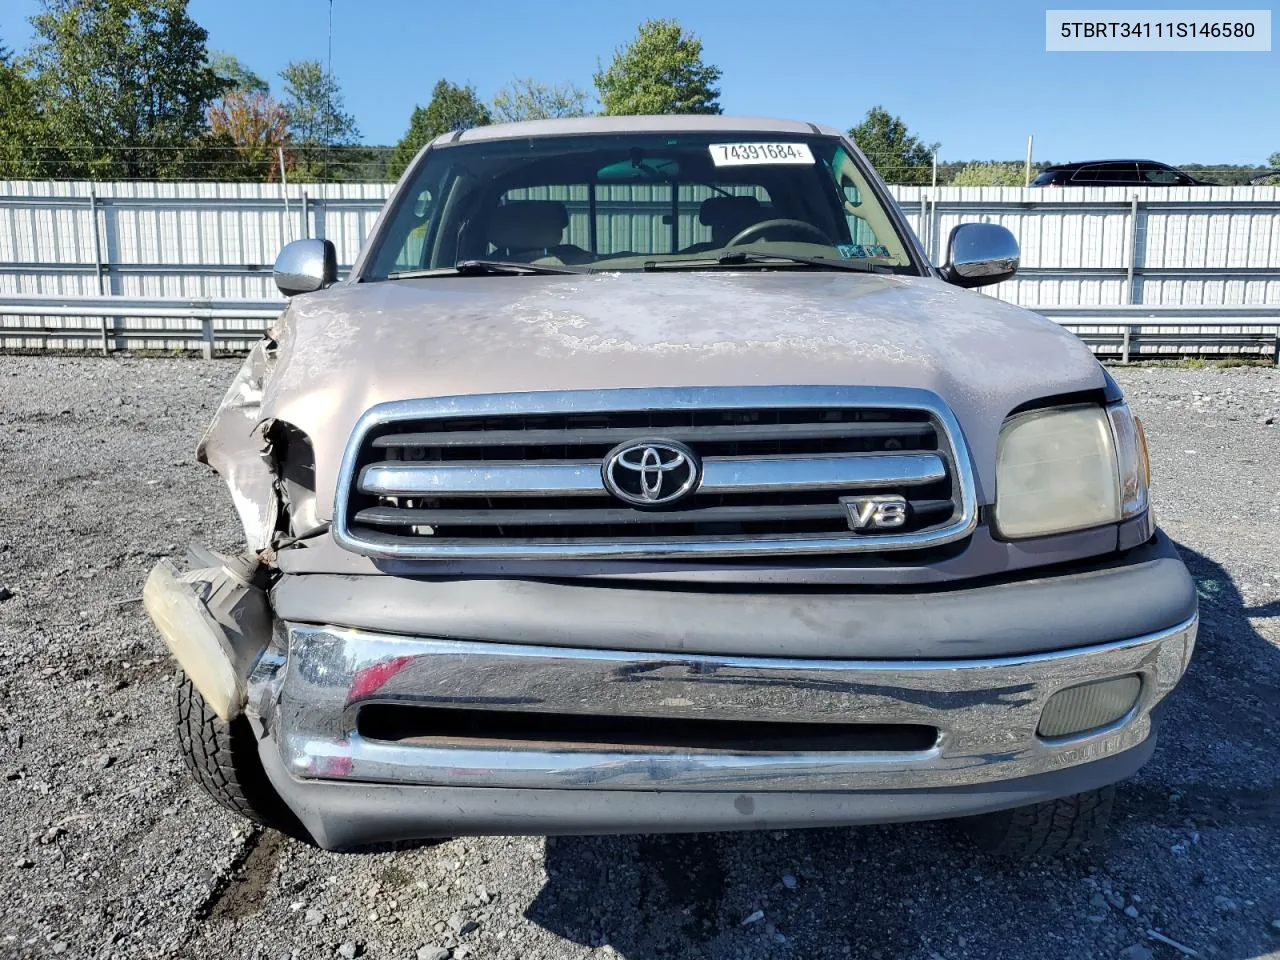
(107, 849)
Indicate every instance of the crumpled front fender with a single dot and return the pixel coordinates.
(236, 446)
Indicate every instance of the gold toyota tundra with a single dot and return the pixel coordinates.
(644, 475)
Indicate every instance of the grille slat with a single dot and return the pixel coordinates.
(614, 435)
(485, 478)
(530, 483)
(398, 517)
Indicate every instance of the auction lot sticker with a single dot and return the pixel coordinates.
(744, 154)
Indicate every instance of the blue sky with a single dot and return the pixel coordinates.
(973, 76)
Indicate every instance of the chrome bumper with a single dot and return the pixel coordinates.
(986, 711)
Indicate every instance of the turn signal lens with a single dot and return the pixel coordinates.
(1131, 458)
(1142, 449)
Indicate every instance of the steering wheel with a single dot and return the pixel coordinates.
(752, 232)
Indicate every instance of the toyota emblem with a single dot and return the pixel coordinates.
(650, 473)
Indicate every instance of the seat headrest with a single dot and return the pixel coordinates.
(728, 211)
(527, 224)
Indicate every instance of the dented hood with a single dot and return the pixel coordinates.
(352, 346)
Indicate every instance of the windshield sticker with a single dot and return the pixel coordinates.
(744, 154)
(863, 251)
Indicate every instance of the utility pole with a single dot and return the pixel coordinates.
(1030, 139)
(329, 90)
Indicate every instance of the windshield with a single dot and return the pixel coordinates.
(624, 201)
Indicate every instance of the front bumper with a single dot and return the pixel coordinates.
(977, 679)
(986, 713)
(987, 753)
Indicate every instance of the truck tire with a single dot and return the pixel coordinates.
(1054, 828)
(223, 759)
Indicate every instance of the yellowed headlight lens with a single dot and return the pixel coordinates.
(1056, 472)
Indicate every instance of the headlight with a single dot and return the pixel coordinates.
(1069, 468)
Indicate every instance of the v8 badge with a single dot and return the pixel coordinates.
(879, 512)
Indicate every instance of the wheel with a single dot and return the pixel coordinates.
(223, 759)
(1052, 829)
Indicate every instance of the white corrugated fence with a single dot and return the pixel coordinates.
(185, 263)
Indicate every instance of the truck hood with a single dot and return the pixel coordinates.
(352, 346)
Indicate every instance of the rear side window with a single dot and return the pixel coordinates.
(1160, 174)
(1108, 174)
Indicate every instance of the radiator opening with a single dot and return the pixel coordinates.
(503, 729)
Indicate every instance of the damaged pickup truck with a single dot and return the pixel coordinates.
(644, 475)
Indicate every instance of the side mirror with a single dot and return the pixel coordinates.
(979, 254)
(306, 265)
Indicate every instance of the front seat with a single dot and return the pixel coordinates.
(526, 230)
(727, 217)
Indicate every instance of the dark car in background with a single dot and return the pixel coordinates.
(1115, 173)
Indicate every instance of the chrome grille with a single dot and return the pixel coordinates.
(521, 474)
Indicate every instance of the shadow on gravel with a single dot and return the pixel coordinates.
(1219, 759)
(913, 890)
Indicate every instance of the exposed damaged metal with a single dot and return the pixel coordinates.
(267, 464)
(236, 446)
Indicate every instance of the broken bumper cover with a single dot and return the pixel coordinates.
(349, 788)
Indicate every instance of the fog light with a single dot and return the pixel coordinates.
(1089, 705)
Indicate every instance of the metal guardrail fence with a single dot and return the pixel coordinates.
(167, 324)
(1121, 333)
(1141, 332)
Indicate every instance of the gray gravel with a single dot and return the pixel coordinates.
(106, 848)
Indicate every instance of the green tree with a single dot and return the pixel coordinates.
(123, 84)
(899, 156)
(314, 104)
(527, 99)
(990, 174)
(237, 78)
(24, 135)
(451, 108)
(318, 121)
(1220, 174)
(660, 71)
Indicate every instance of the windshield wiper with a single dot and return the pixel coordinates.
(477, 268)
(739, 257)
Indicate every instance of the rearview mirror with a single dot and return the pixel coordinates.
(979, 254)
(305, 266)
(648, 168)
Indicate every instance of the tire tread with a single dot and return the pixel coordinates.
(223, 759)
(1055, 828)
